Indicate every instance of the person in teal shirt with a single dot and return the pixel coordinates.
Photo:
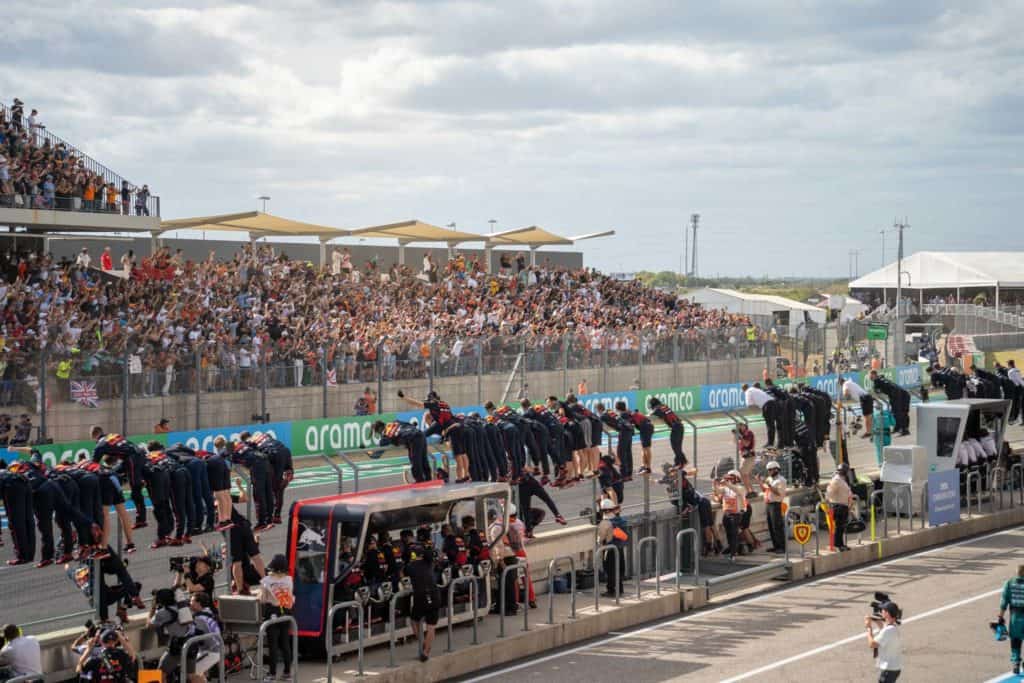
(1013, 598)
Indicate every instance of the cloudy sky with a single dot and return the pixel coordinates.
(798, 130)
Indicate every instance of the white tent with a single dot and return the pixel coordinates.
(950, 270)
(757, 304)
(848, 307)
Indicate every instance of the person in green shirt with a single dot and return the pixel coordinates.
(1013, 598)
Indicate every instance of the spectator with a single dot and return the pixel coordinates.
(142, 201)
(106, 261)
(277, 597)
(83, 259)
(20, 655)
(162, 427)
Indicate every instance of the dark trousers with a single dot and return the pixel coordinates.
(809, 455)
(18, 504)
(158, 481)
(840, 517)
(202, 496)
(528, 488)
(124, 589)
(48, 499)
(133, 476)
(776, 526)
(418, 458)
(80, 524)
(89, 498)
(514, 447)
(675, 439)
(769, 411)
(539, 435)
(181, 501)
(279, 637)
(277, 485)
(262, 491)
(611, 575)
(624, 449)
(888, 676)
(731, 523)
(510, 588)
(1018, 393)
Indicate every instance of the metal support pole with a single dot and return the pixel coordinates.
(675, 358)
(380, 382)
(873, 506)
(679, 555)
(638, 563)
(126, 388)
(337, 471)
(640, 359)
(42, 394)
(1018, 479)
(432, 366)
(323, 381)
(1000, 474)
(216, 638)
(522, 367)
(520, 570)
(263, 385)
(391, 623)
(355, 470)
(565, 365)
(97, 589)
(551, 587)
(471, 580)
(329, 635)
(604, 363)
(480, 372)
(283, 619)
(976, 476)
(198, 360)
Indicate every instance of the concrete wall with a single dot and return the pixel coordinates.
(69, 421)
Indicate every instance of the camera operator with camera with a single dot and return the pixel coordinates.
(172, 618)
(108, 658)
(884, 637)
(194, 574)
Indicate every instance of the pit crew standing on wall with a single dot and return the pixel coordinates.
(756, 397)
(282, 470)
(408, 435)
(675, 437)
(130, 459)
(646, 429)
(246, 455)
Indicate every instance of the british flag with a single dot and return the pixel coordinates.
(84, 392)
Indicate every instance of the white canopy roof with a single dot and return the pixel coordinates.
(950, 269)
(753, 304)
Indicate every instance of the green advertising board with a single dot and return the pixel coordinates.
(53, 453)
(312, 437)
(679, 399)
(878, 332)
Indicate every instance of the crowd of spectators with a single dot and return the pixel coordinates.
(165, 314)
(38, 172)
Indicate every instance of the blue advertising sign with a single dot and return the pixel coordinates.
(827, 383)
(202, 439)
(943, 497)
(608, 399)
(722, 397)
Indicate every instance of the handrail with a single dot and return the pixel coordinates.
(693, 430)
(599, 556)
(976, 476)
(992, 489)
(337, 471)
(329, 634)
(216, 637)
(1019, 468)
(873, 506)
(924, 506)
(471, 580)
(551, 587)
(391, 622)
(520, 570)
(29, 678)
(817, 529)
(282, 619)
(899, 490)
(679, 555)
(638, 562)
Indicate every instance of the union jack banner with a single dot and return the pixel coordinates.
(959, 344)
(85, 393)
(332, 378)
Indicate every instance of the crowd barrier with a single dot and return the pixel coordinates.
(319, 436)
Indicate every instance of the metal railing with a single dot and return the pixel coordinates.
(216, 638)
(551, 586)
(679, 556)
(976, 477)
(1017, 481)
(283, 619)
(471, 581)
(1000, 474)
(329, 634)
(638, 563)
(520, 572)
(395, 597)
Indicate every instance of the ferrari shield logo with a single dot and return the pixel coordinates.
(802, 533)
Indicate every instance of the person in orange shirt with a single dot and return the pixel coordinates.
(111, 197)
(162, 427)
(89, 195)
(581, 388)
(371, 401)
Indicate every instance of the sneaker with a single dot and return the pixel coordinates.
(224, 526)
(44, 563)
(129, 548)
(270, 678)
(99, 553)
(561, 520)
(139, 525)
(545, 480)
(533, 604)
(1016, 668)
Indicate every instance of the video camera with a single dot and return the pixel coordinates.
(187, 564)
(876, 606)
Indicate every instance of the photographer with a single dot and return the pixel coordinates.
(108, 658)
(198, 578)
(244, 551)
(887, 641)
(20, 655)
(173, 619)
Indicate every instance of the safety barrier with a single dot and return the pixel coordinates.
(520, 572)
(679, 556)
(769, 569)
(817, 530)
(599, 554)
(874, 506)
(329, 634)
(551, 587)
(471, 580)
(406, 590)
(899, 490)
(976, 476)
(187, 646)
(1000, 474)
(1018, 480)
(638, 563)
(283, 619)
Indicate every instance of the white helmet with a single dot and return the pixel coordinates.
(733, 473)
(511, 509)
(772, 466)
(608, 504)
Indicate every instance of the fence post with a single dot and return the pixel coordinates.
(640, 359)
(431, 366)
(263, 384)
(675, 358)
(604, 362)
(125, 388)
(480, 371)
(197, 359)
(522, 367)
(42, 393)
(565, 364)
(323, 370)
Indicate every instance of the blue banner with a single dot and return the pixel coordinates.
(943, 497)
(608, 399)
(202, 439)
(722, 397)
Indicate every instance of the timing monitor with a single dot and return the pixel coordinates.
(941, 427)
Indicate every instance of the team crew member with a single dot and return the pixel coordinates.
(733, 498)
(69, 528)
(756, 397)
(455, 434)
(808, 453)
(1013, 600)
(646, 429)
(218, 471)
(1018, 395)
(692, 499)
(586, 419)
(573, 439)
(202, 496)
(511, 438)
(612, 531)
(245, 550)
(404, 434)
(899, 401)
(438, 409)
(675, 437)
(157, 474)
(950, 379)
(774, 488)
(855, 392)
(623, 427)
(528, 488)
(129, 462)
(89, 504)
(17, 496)
(282, 470)
(745, 446)
(426, 597)
(111, 496)
(517, 535)
(538, 441)
(249, 457)
(840, 497)
(785, 411)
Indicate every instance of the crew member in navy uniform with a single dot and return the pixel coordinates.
(245, 454)
(899, 401)
(408, 435)
(17, 497)
(676, 433)
(280, 458)
(130, 461)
